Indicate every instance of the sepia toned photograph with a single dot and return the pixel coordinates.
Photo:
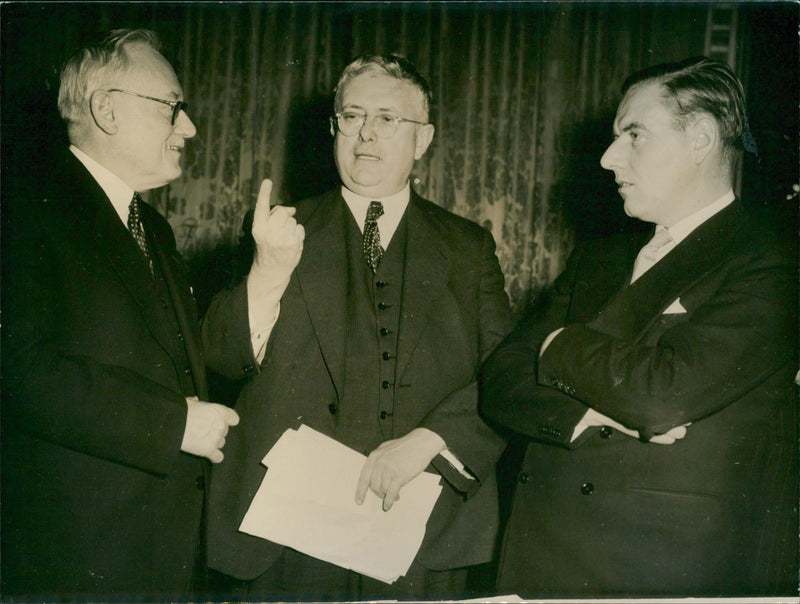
(399, 301)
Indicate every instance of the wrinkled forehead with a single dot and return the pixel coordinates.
(375, 90)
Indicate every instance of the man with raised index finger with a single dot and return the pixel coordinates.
(381, 326)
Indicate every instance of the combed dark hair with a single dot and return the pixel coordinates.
(83, 73)
(702, 86)
(393, 65)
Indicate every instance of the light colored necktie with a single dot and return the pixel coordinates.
(373, 252)
(137, 230)
(649, 254)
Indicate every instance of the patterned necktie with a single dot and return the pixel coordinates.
(373, 252)
(649, 254)
(136, 229)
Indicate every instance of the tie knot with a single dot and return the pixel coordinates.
(134, 209)
(660, 239)
(375, 210)
(651, 253)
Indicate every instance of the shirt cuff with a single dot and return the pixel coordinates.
(549, 339)
(259, 335)
(456, 463)
(582, 425)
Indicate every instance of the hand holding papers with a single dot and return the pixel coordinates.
(306, 501)
(396, 462)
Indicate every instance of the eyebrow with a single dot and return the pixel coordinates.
(629, 127)
(380, 109)
(634, 126)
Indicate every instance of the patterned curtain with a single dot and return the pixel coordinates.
(524, 97)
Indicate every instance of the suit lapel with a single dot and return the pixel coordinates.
(108, 241)
(426, 267)
(183, 304)
(636, 306)
(322, 280)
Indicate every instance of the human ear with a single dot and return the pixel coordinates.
(424, 138)
(101, 106)
(705, 138)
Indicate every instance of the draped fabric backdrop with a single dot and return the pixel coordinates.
(524, 97)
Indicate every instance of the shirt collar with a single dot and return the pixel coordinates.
(119, 194)
(394, 206)
(680, 230)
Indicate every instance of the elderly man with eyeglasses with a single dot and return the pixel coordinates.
(365, 316)
(106, 436)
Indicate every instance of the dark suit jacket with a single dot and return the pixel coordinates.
(454, 310)
(97, 498)
(609, 515)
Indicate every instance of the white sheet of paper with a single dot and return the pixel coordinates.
(307, 501)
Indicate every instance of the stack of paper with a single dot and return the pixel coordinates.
(307, 501)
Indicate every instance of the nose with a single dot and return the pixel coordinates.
(367, 131)
(184, 125)
(611, 157)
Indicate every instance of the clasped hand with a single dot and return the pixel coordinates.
(396, 462)
(206, 428)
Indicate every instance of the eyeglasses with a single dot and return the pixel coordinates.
(177, 106)
(349, 123)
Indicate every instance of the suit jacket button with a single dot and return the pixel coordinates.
(248, 370)
(385, 384)
(524, 477)
(200, 483)
(333, 408)
(384, 414)
(606, 432)
(187, 371)
(587, 488)
(383, 305)
(385, 332)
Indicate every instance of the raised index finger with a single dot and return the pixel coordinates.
(262, 202)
